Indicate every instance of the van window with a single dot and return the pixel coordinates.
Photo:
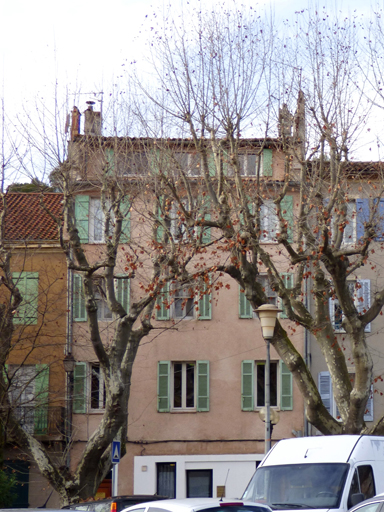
(316, 486)
(362, 482)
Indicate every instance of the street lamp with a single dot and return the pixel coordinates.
(69, 367)
(267, 314)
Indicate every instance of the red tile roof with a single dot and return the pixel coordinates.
(26, 219)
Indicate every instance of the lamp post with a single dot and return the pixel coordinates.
(267, 315)
(69, 367)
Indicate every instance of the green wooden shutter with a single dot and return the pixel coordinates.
(31, 298)
(154, 160)
(82, 217)
(211, 165)
(79, 311)
(205, 304)
(41, 399)
(286, 398)
(267, 162)
(163, 386)
(110, 158)
(28, 285)
(247, 385)
(287, 278)
(80, 388)
(245, 307)
(125, 208)
(287, 213)
(225, 162)
(162, 304)
(206, 205)
(160, 229)
(202, 386)
(122, 287)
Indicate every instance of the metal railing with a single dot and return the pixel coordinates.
(40, 420)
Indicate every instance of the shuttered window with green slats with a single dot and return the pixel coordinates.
(162, 304)
(245, 307)
(253, 388)
(82, 217)
(267, 162)
(80, 388)
(205, 304)
(183, 386)
(78, 303)
(28, 285)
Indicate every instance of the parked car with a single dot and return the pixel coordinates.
(375, 504)
(200, 505)
(115, 504)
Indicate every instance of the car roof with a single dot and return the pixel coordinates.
(189, 504)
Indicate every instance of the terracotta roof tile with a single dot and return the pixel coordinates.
(27, 220)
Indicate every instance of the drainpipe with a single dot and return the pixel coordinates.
(307, 350)
(69, 371)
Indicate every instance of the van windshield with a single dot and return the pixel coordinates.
(298, 486)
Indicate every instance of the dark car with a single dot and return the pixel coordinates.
(115, 504)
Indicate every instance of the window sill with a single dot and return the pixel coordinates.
(183, 411)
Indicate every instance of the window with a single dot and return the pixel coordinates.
(122, 293)
(363, 211)
(361, 292)
(29, 395)
(28, 284)
(326, 393)
(183, 386)
(245, 307)
(362, 482)
(250, 162)
(96, 221)
(90, 219)
(349, 236)
(253, 385)
(260, 384)
(188, 162)
(199, 483)
(179, 230)
(88, 388)
(269, 221)
(97, 387)
(166, 479)
(271, 294)
(103, 311)
(181, 302)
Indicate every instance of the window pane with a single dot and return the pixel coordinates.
(179, 312)
(95, 387)
(98, 221)
(177, 385)
(260, 384)
(166, 479)
(190, 395)
(260, 395)
(273, 384)
(199, 483)
(367, 483)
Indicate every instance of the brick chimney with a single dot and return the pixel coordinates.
(92, 121)
(75, 124)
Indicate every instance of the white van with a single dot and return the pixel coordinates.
(327, 473)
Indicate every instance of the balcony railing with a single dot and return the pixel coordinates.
(43, 421)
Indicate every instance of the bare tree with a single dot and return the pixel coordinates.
(213, 80)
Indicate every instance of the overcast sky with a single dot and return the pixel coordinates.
(83, 44)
